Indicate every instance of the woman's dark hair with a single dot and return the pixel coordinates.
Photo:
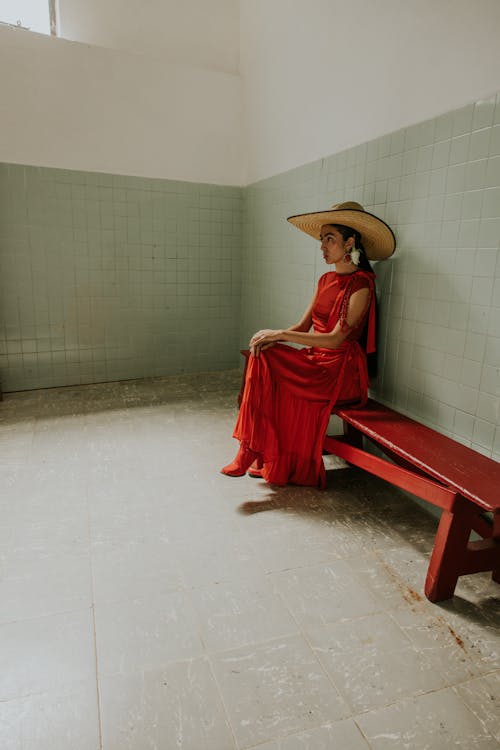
(364, 264)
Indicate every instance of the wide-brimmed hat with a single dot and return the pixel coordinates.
(377, 236)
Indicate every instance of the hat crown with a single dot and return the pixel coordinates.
(348, 206)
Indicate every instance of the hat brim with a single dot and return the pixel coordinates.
(377, 236)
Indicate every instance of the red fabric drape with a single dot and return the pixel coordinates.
(289, 393)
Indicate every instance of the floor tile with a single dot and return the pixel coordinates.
(47, 586)
(482, 696)
(324, 593)
(57, 442)
(408, 565)
(480, 588)
(436, 721)
(434, 637)
(46, 654)
(144, 634)
(275, 689)
(202, 508)
(55, 535)
(141, 570)
(52, 721)
(383, 582)
(29, 501)
(120, 525)
(479, 633)
(293, 545)
(233, 614)
(364, 658)
(216, 557)
(343, 735)
(175, 707)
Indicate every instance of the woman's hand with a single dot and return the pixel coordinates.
(263, 340)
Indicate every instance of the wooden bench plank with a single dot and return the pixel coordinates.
(437, 455)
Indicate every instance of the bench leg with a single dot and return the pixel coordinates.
(448, 554)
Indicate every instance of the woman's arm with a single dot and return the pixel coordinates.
(358, 303)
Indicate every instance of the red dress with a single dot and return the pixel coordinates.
(289, 393)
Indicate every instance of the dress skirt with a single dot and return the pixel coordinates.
(286, 404)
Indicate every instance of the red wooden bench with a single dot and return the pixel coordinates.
(460, 481)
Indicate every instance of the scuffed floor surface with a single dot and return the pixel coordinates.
(149, 603)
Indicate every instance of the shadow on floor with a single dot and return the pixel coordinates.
(353, 497)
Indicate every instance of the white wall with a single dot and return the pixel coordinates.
(187, 32)
(317, 77)
(69, 105)
(323, 75)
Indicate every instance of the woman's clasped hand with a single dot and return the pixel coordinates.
(264, 339)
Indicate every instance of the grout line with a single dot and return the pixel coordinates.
(98, 694)
(223, 703)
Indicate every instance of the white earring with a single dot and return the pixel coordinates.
(355, 253)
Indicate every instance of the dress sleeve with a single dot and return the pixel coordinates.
(360, 281)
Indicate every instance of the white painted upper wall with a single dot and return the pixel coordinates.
(74, 106)
(202, 33)
(317, 77)
(324, 75)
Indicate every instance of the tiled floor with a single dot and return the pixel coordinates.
(149, 603)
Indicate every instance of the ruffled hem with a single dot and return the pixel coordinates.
(297, 459)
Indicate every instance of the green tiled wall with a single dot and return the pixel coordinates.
(106, 277)
(438, 185)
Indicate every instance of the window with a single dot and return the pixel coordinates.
(33, 15)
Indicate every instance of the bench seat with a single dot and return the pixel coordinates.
(432, 466)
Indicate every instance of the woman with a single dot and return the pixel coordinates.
(289, 393)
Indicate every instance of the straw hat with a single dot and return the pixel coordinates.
(377, 237)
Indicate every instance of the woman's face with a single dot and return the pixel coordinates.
(333, 245)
